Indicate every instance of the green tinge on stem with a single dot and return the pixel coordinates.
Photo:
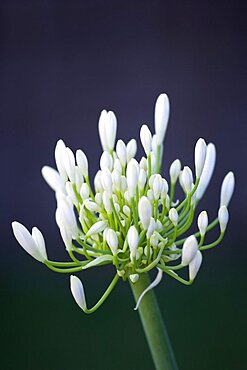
(153, 325)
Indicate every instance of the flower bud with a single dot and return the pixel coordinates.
(84, 192)
(151, 228)
(106, 161)
(146, 139)
(145, 212)
(121, 152)
(142, 179)
(157, 186)
(66, 211)
(107, 202)
(97, 228)
(175, 169)
(77, 291)
(132, 175)
(161, 116)
(133, 240)
(82, 162)
(154, 240)
(71, 193)
(68, 159)
(189, 250)
(223, 217)
(207, 171)
(143, 164)
(187, 179)
(202, 222)
(227, 189)
(97, 182)
(59, 149)
(126, 210)
(195, 265)
(33, 244)
(117, 166)
(91, 206)
(112, 240)
(155, 145)
(173, 215)
(53, 178)
(131, 149)
(107, 130)
(200, 156)
(106, 180)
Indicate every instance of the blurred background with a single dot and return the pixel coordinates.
(61, 63)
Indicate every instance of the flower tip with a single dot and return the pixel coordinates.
(195, 265)
(223, 216)
(200, 156)
(161, 116)
(227, 189)
(77, 291)
(189, 250)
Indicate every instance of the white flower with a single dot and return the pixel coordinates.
(202, 222)
(173, 215)
(133, 240)
(33, 244)
(207, 171)
(189, 250)
(195, 265)
(131, 149)
(175, 170)
(97, 228)
(161, 116)
(132, 175)
(200, 156)
(82, 162)
(107, 130)
(187, 179)
(146, 139)
(223, 216)
(53, 178)
(112, 240)
(121, 152)
(145, 212)
(227, 189)
(78, 291)
(59, 149)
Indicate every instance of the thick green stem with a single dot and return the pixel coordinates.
(154, 327)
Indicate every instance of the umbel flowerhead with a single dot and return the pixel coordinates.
(130, 218)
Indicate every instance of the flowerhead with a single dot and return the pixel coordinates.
(128, 216)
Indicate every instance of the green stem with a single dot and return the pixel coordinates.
(154, 327)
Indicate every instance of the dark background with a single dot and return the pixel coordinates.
(61, 63)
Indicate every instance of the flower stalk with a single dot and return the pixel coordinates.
(153, 325)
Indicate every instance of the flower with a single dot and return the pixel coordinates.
(131, 219)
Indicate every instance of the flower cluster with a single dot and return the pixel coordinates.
(131, 219)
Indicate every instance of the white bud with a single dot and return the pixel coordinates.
(142, 179)
(165, 188)
(33, 244)
(66, 211)
(153, 162)
(145, 212)
(161, 116)
(202, 222)
(207, 171)
(227, 189)
(200, 156)
(146, 139)
(187, 179)
(106, 180)
(189, 250)
(97, 228)
(223, 216)
(82, 162)
(91, 206)
(131, 149)
(69, 163)
(59, 149)
(157, 186)
(143, 164)
(175, 170)
(112, 240)
(117, 166)
(195, 265)
(151, 228)
(173, 215)
(97, 182)
(71, 193)
(133, 239)
(121, 152)
(106, 161)
(123, 184)
(66, 236)
(107, 202)
(132, 174)
(159, 225)
(155, 145)
(150, 195)
(151, 181)
(107, 130)
(84, 192)
(154, 240)
(77, 291)
(134, 278)
(53, 178)
(126, 210)
(78, 178)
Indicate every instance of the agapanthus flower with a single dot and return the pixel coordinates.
(130, 217)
